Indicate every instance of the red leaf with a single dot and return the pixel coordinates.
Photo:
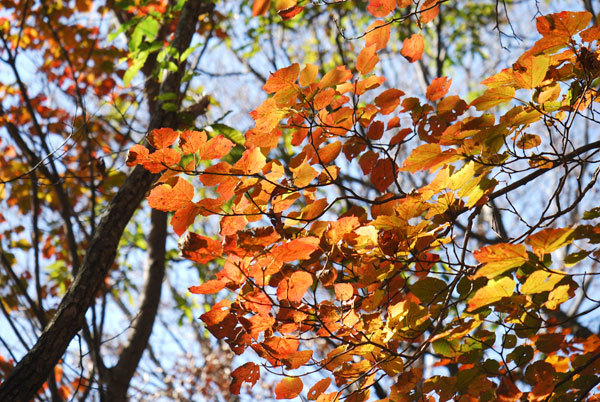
(249, 372)
(297, 249)
(438, 88)
(199, 248)
(167, 198)
(162, 137)
(282, 78)
(367, 60)
(381, 8)
(412, 48)
(383, 174)
(260, 7)
(290, 13)
(288, 388)
(294, 287)
(208, 287)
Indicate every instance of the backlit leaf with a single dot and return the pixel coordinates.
(438, 88)
(190, 141)
(388, 100)
(343, 291)
(317, 389)
(208, 287)
(297, 249)
(548, 240)
(530, 71)
(412, 47)
(215, 148)
(282, 78)
(260, 7)
(294, 287)
(499, 258)
(288, 388)
(184, 217)
(540, 281)
(367, 60)
(166, 198)
(381, 8)
(494, 291)
(334, 77)
(162, 137)
(378, 34)
(199, 248)
(249, 372)
(494, 97)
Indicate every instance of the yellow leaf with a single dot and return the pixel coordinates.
(492, 292)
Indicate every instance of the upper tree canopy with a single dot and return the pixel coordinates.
(393, 219)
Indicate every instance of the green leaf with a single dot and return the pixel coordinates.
(230, 133)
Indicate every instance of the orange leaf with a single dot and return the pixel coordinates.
(281, 348)
(190, 141)
(251, 162)
(162, 137)
(167, 198)
(318, 389)
(308, 75)
(438, 88)
(216, 148)
(249, 372)
(429, 10)
(494, 97)
(161, 159)
(492, 292)
(298, 359)
(260, 7)
(367, 60)
(378, 34)
(267, 116)
(530, 71)
(343, 291)
(288, 388)
(294, 287)
(499, 258)
(137, 154)
(412, 48)
(549, 240)
(388, 100)
(381, 8)
(329, 152)
(566, 23)
(199, 248)
(334, 77)
(429, 156)
(297, 249)
(208, 287)
(282, 78)
(184, 217)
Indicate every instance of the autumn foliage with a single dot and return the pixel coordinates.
(315, 276)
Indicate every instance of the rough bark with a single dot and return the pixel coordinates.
(120, 375)
(34, 368)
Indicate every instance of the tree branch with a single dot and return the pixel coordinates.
(31, 372)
